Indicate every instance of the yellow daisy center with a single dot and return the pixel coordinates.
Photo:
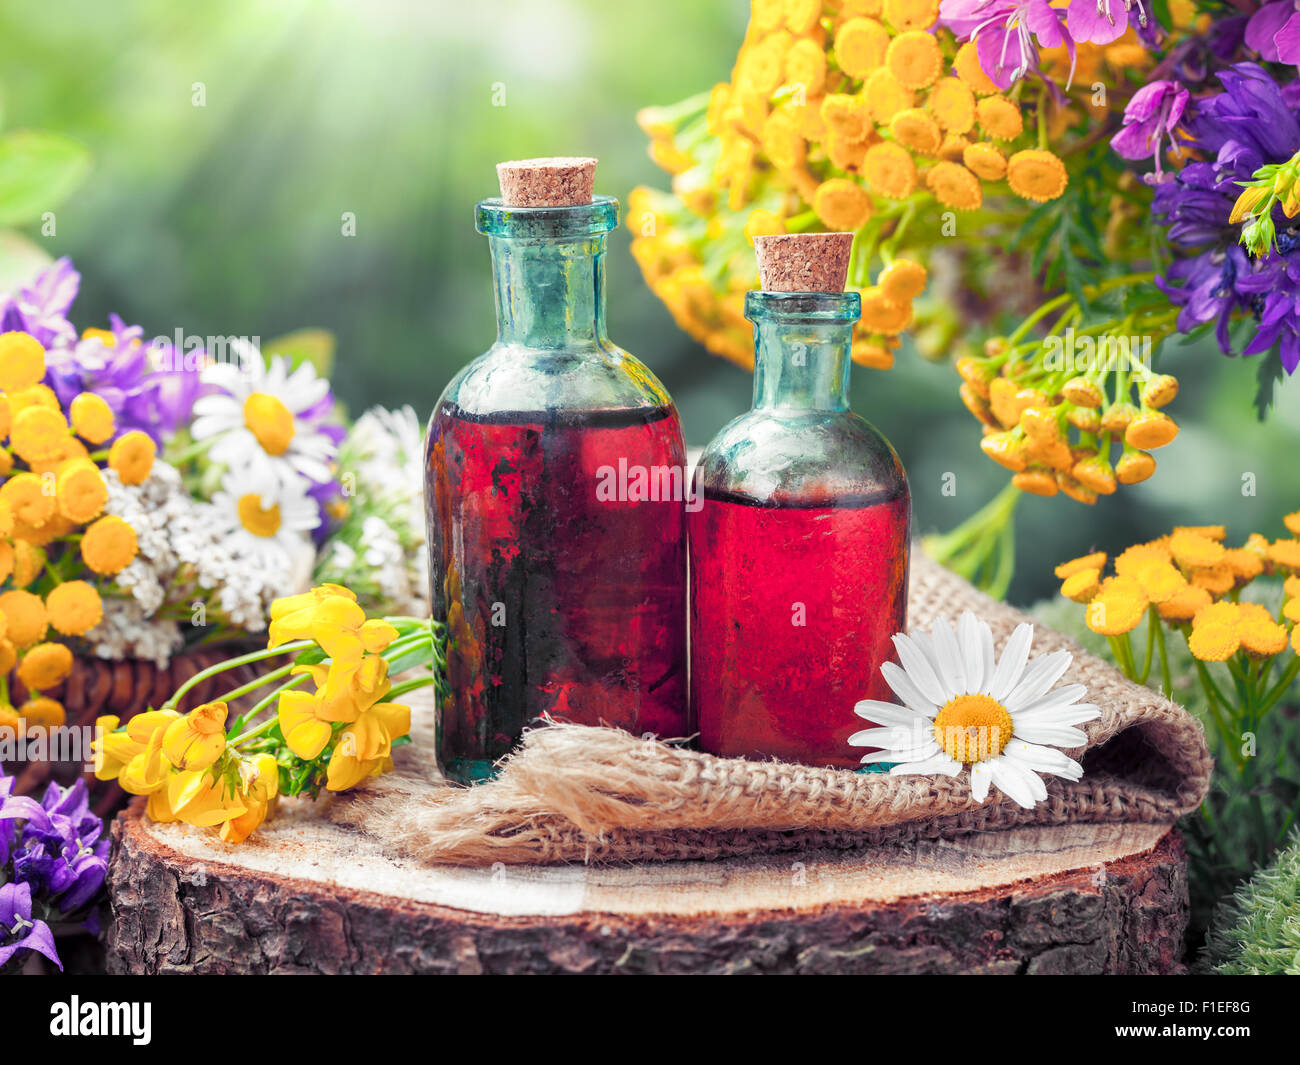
(270, 421)
(259, 520)
(972, 728)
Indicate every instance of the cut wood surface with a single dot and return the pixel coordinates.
(307, 895)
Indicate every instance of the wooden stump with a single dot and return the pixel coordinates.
(306, 895)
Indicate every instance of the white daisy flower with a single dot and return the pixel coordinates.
(259, 416)
(960, 710)
(268, 522)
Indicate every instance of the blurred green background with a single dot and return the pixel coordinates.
(226, 219)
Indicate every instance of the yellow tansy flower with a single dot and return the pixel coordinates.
(1217, 580)
(1096, 561)
(1115, 610)
(1081, 585)
(955, 186)
(1285, 553)
(880, 314)
(80, 490)
(966, 65)
(1160, 580)
(911, 14)
(889, 170)
(27, 500)
(74, 608)
(1134, 466)
(915, 59)
(842, 205)
(999, 118)
(45, 666)
(25, 616)
(92, 418)
(805, 65)
(952, 103)
(1037, 482)
(915, 129)
(860, 45)
(28, 563)
(131, 457)
(902, 280)
(1036, 174)
(1150, 430)
(1184, 605)
(885, 95)
(22, 362)
(43, 712)
(1192, 549)
(985, 161)
(38, 434)
(108, 545)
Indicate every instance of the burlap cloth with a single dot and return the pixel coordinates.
(579, 794)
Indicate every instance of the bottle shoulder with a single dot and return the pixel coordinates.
(775, 455)
(512, 377)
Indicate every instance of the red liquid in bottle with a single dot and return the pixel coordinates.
(792, 611)
(558, 599)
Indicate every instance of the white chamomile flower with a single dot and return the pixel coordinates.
(268, 523)
(960, 710)
(258, 416)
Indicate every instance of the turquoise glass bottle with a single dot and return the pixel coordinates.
(557, 541)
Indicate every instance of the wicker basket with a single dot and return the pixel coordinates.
(97, 686)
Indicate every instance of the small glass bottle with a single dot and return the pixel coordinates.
(799, 552)
(557, 540)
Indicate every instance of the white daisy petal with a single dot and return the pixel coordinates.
(1018, 783)
(893, 736)
(1042, 673)
(1012, 663)
(879, 713)
(972, 650)
(1047, 732)
(980, 778)
(1059, 700)
(905, 688)
(943, 764)
(912, 754)
(1040, 759)
(952, 671)
(918, 667)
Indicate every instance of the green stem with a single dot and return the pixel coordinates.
(230, 663)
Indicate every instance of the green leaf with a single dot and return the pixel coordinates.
(37, 171)
(1267, 374)
(315, 346)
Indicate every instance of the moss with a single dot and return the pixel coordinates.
(1256, 931)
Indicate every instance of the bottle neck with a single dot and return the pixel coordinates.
(549, 293)
(801, 350)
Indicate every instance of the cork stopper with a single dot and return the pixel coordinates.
(803, 262)
(562, 181)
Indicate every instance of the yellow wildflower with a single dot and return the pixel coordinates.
(1160, 580)
(43, 712)
(902, 280)
(953, 147)
(860, 45)
(966, 65)
(1006, 449)
(1096, 561)
(1116, 608)
(45, 666)
(131, 456)
(915, 129)
(783, 142)
(1095, 472)
(1292, 522)
(1285, 553)
(952, 103)
(986, 162)
(1036, 174)
(1191, 548)
(198, 739)
(999, 118)
(194, 797)
(22, 362)
(74, 608)
(1184, 605)
(880, 314)
(846, 115)
(28, 563)
(1081, 585)
(92, 418)
(842, 205)
(911, 14)
(1134, 466)
(1150, 430)
(955, 186)
(885, 95)
(1037, 482)
(805, 65)
(1217, 580)
(872, 356)
(25, 617)
(109, 545)
(889, 170)
(1210, 532)
(915, 59)
(38, 434)
(80, 490)
(363, 747)
(147, 769)
(1159, 391)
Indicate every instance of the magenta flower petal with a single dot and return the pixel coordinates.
(1085, 23)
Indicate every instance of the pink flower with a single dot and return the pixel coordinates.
(1274, 32)
(1007, 33)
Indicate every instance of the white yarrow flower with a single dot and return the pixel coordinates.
(962, 709)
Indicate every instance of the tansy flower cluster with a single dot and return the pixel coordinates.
(1191, 583)
(868, 116)
(56, 541)
(329, 720)
(1061, 430)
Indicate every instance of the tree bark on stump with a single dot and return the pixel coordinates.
(313, 897)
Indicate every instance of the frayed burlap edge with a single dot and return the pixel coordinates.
(573, 793)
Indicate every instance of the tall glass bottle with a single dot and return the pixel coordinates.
(557, 543)
(799, 553)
